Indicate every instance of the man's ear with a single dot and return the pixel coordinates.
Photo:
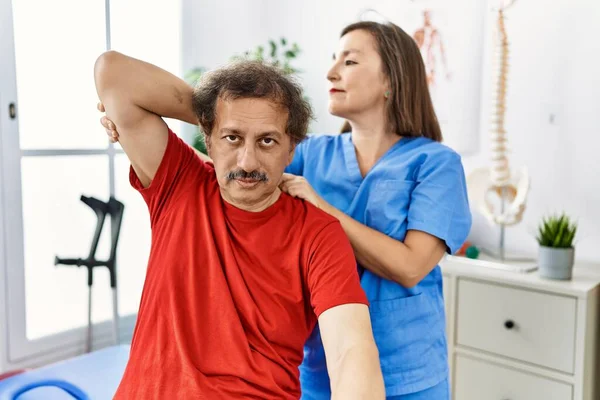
(291, 154)
(207, 142)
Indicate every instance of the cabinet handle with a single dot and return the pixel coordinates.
(509, 324)
(12, 110)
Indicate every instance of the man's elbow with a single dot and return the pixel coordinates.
(105, 69)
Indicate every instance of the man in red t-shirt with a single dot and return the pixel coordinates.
(239, 272)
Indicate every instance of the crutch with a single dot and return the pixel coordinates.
(115, 209)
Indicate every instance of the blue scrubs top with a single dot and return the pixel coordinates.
(418, 184)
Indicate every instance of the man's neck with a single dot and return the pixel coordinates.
(258, 206)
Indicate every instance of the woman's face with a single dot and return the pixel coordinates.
(358, 84)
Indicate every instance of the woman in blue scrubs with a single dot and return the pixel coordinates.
(401, 198)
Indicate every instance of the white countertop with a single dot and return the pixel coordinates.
(586, 276)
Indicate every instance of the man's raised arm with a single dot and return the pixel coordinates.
(136, 95)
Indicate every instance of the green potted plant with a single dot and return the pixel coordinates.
(556, 253)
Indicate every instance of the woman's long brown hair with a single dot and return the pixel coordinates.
(410, 110)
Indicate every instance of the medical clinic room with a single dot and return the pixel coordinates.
(277, 199)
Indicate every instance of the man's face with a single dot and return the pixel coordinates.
(250, 150)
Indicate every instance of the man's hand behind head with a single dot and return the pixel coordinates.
(109, 126)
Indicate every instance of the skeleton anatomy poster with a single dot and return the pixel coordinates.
(450, 35)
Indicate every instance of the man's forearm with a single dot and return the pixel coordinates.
(357, 375)
(145, 85)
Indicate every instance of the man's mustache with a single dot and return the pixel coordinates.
(241, 174)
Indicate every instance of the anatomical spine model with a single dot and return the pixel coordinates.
(496, 181)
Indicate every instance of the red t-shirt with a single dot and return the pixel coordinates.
(230, 296)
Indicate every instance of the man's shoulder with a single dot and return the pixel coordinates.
(199, 181)
(310, 220)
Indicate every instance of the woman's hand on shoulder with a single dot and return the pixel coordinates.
(298, 186)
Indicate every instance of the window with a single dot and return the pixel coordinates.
(58, 151)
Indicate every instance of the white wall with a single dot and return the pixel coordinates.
(214, 31)
(317, 25)
(554, 60)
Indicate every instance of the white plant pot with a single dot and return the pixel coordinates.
(555, 263)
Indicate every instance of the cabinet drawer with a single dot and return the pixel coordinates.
(478, 380)
(525, 325)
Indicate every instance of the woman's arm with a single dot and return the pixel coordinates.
(405, 262)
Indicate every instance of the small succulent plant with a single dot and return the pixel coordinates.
(557, 231)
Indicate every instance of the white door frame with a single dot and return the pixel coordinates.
(6, 22)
